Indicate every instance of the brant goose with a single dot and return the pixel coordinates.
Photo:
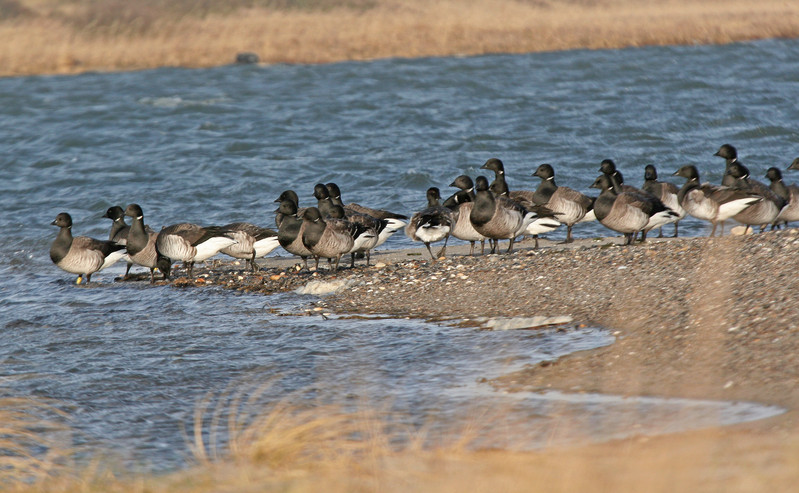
(764, 212)
(710, 202)
(119, 231)
(544, 223)
(287, 195)
(330, 237)
(367, 240)
(323, 201)
(461, 203)
(141, 244)
(570, 205)
(665, 191)
(335, 195)
(608, 168)
(431, 224)
(81, 255)
(788, 193)
(385, 223)
(730, 155)
(191, 243)
(498, 217)
(628, 212)
(252, 242)
(289, 234)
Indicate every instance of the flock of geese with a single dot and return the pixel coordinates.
(479, 211)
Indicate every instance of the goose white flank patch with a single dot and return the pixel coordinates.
(141, 244)
(711, 202)
(431, 224)
(498, 218)
(252, 242)
(191, 243)
(568, 204)
(81, 255)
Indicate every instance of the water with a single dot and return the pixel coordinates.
(219, 145)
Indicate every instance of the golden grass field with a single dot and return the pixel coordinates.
(71, 36)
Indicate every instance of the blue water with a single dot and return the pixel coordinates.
(219, 145)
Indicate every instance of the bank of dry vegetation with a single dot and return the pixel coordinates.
(70, 36)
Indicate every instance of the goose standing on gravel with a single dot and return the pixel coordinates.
(385, 223)
(608, 168)
(665, 191)
(461, 203)
(191, 243)
(141, 244)
(367, 240)
(252, 242)
(762, 213)
(628, 212)
(329, 237)
(545, 221)
(81, 255)
(710, 202)
(431, 224)
(289, 234)
(570, 205)
(498, 218)
(788, 193)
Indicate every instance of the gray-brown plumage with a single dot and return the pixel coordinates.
(431, 224)
(763, 212)
(141, 244)
(329, 237)
(608, 168)
(788, 193)
(461, 203)
(730, 155)
(335, 195)
(289, 233)
(383, 223)
(665, 191)
(191, 243)
(498, 218)
(288, 195)
(711, 202)
(568, 204)
(119, 231)
(628, 212)
(370, 225)
(80, 254)
(252, 242)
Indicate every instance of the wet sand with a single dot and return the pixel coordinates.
(696, 317)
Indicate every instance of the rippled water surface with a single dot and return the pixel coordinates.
(219, 145)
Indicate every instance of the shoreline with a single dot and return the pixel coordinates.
(61, 38)
(698, 298)
(695, 317)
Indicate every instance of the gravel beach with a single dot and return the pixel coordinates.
(710, 318)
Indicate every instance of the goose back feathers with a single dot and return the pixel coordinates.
(81, 255)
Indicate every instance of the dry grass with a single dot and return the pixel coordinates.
(63, 36)
(300, 448)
